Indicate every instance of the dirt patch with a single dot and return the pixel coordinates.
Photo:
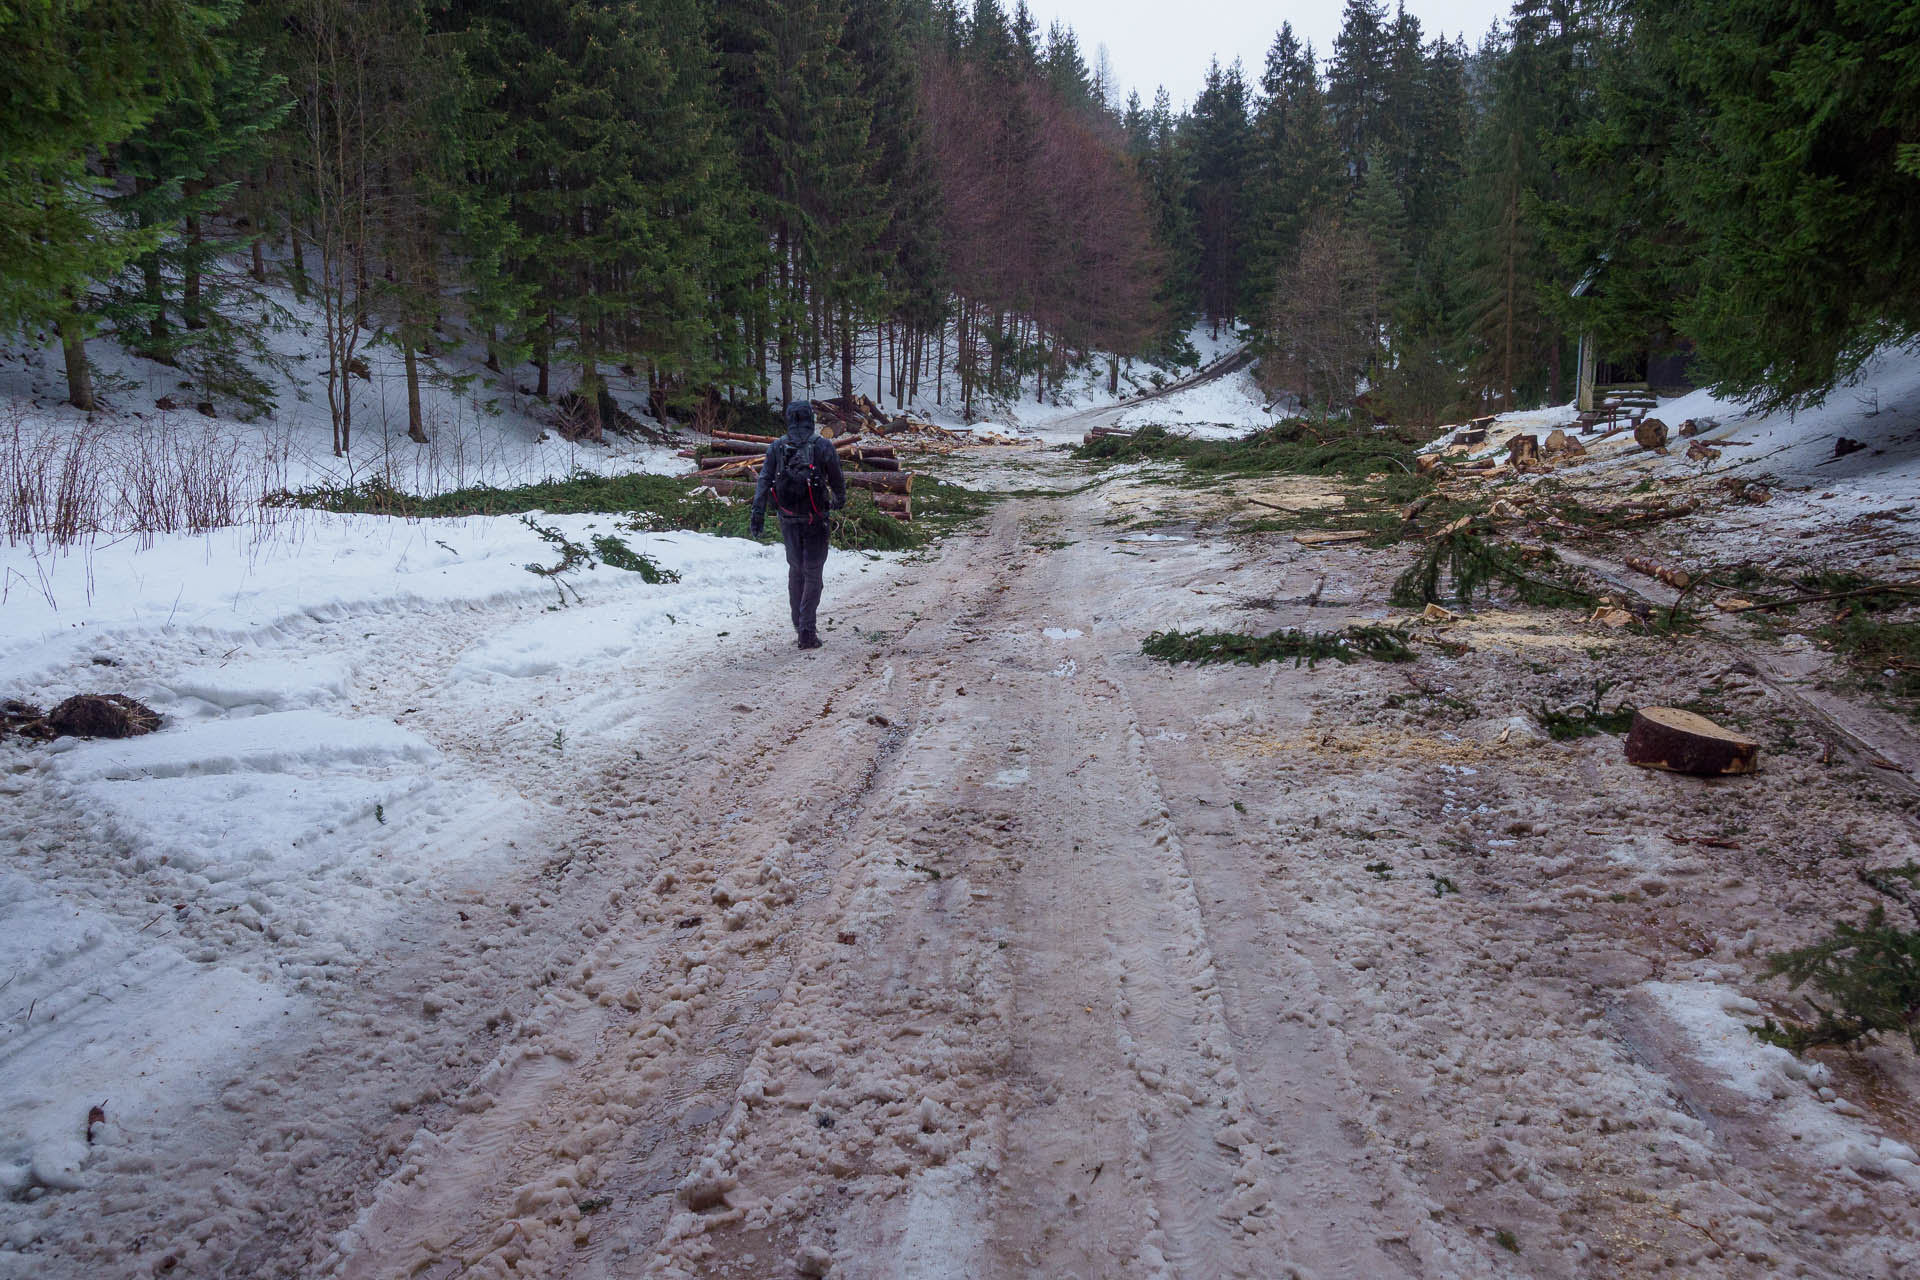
(85, 715)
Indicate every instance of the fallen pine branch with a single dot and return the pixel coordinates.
(1892, 588)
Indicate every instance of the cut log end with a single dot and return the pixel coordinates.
(1682, 742)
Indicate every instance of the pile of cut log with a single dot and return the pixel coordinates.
(731, 467)
(841, 417)
(1101, 433)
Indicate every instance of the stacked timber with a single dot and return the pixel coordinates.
(843, 416)
(730, 466)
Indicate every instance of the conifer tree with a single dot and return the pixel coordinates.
(1163, 166)
(1218, 135)
(185, 167)
(793, 94)
(903, 255)
(1296, 167)
(1066, 70)
(79, 78)
(1357, 83)
(1795, 171)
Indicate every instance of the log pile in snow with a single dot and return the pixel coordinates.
(731, 467)
(841, 417)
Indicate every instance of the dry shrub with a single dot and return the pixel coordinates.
(94, 479)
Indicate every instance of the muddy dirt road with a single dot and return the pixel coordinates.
(978, 945)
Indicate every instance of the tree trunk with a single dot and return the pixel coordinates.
(1512, 285)
(846, 353)
(299, 262)
(360, 289)
(543, 357)
(590, 401)
(1113, 374)
(993, 356)
(73, 341)
(783, 319)
(416, 429)
(1040, 365)
(190, 314)
(153, 284)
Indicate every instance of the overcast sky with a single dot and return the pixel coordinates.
(1155, 42)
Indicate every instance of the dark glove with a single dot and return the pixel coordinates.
(757, 526)
(836, 504)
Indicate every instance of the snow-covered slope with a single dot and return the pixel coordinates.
(1798, 454)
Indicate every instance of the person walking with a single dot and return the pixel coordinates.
(802, 475)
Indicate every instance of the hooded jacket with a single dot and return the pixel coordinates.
(800, 435)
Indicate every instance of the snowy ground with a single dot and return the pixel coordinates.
(1791, 452)
(453, 925)
(482, 427)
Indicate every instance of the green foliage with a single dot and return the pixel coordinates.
(1587, 719)
(184, 167)
(1382, 644)
(599, 133)
(1291, 448)
(651, 504)
(862, 526)
(1475, 563)
(1217, 135)
(1751, 190)
(75, 79)
(616, 554)
(1869, 971)
(1861, 630)
(572, 554)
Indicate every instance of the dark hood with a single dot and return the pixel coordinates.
(800, 419)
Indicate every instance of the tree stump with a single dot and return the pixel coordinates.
(1523, 450)
(1682, 742)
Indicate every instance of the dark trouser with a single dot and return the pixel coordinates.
(806, 563)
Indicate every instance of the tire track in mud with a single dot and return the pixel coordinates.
(665, 1015)
(1211, 1190)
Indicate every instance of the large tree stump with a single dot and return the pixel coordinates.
(1682, 742)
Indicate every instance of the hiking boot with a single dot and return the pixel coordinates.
(809, 640)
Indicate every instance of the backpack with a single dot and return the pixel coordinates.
(800, 485)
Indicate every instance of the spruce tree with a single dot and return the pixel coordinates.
(1296, 167)
(77, 79)
(1218, 135)
(1357, 83)
(185, 167)
(1793, 170)
(1165, 173)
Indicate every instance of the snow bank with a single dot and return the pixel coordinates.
(328, 567)
(256, 744)
(110, 1019)
(481, 427)
(1794, 1093)
(1222, 409)
(1793, 452)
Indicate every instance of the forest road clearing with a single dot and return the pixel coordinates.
(978, 945)
(925, 981)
